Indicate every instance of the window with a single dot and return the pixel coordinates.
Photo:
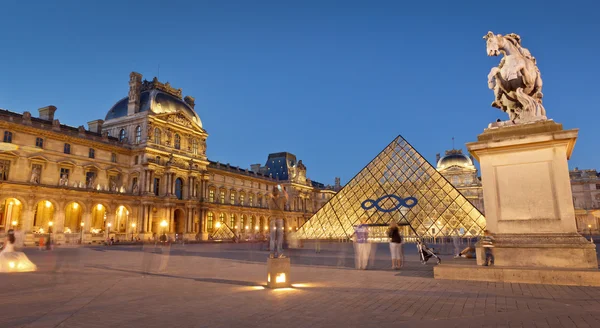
(242, 222)
(209, 221)
(92, 153)
(90, 179)
(39, 142)
(122, 135)
(138, 134)
(67, 148)
(136, 159)
(177, 141)
(259, 201)
(157, 159)
(222, 197)
(36, 173)
(195, 147)
(113, 158)
(597, 186)
(64, 173)
(7, 136)
(4, 168)
(157, 138)
(156, 186)
(211, 195)
(222, 217)
(179, 188)
(134, 185)
(232, 221)
(250, 199)
(232, 197)
(242, 199)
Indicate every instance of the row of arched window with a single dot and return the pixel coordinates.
(251, 201)
(245, 223)
(193, 143)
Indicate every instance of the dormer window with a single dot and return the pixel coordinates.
(177, 142)
(138, 135)
(8, 136)
(39, 142)
(157, 136)
(92, 153)
(122, 135)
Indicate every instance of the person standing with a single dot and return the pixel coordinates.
(277, 200)
(362, 247)
(456, 242)
(488, 246)
(395, 246)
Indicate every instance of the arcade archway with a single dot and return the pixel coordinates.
(73, 216)
(44, 215)
(179, 221)
(121, 219)
(98, 218)
(10, 214)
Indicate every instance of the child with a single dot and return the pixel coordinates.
(488, 246)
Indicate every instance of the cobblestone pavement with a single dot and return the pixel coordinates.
(212, 285)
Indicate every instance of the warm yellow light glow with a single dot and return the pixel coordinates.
(133, 225)
(163, 223)
(82, 224)
(10, 203)
(246, 227)
(300, 285)
(109, 224)
(50, 223)
(48, 204)
(266, 228)
(258, 287)
(17, 202)
(290, 228)
(41, 230)
(589, 225)
(11, 265)
(268, 277)
(99, 207)
(75, 205)
(280, 278)
(283, 289)
(218, 224)
(14, 223)
(256, 228)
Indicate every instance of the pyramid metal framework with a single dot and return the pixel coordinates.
(400, 170)
(223, 232)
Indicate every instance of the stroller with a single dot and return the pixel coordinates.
(426, 253)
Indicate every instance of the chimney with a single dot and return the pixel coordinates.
(191, 101)
(437, 157)
(135, 87)
(47, 113)
(95, 126)
(338, 184)
(255, 167)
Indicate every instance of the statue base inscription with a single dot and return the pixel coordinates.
(278, 272)
(528, 199)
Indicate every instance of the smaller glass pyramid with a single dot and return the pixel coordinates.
(398, 170)
(223, 232)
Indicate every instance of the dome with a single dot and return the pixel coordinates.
(158, 102)
(455, 158)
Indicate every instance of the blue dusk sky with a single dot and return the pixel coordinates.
(330, 81)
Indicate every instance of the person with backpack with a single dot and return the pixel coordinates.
(396, 246)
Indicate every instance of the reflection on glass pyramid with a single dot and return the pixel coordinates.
(399, 170)
(223, 232)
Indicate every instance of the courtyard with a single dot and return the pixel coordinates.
(220, 285)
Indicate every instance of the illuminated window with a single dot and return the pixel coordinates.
(92, 153)
(242, 199)
(64, 172)
(250, 199)
(242, 222)
(232, 197)
(122, 135)
(177, 142)
(156, 186)
(8, 136)
(67, 148)
(39, 142)
(157, 136)
(209, 221)
(222, 217)
(211, 195)
(232, 221)
(138, 134)
(222, 196)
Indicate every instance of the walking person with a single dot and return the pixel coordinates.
(361, 245)
(488, 246)
(395, 246)
(456, 242)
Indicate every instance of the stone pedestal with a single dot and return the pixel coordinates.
(527, 195)
(278, 273)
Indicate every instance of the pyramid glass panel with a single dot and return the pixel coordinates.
(223, 232)
(399, 170)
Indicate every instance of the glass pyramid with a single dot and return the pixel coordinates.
(223, 232)
(400, 170)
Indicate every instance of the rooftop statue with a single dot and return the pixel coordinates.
(516, 81)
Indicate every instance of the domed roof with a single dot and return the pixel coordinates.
(158, 102)
(456, 158)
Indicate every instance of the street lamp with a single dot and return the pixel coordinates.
(164, 224)
(590, 230)
(132, 230)
(14, 224)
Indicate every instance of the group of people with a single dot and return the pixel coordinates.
(362, 247)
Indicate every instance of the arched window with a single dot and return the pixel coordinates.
(122, 135)
(177, 142)
(251, 224)
(157, 136)
(242, 199)
(211, 195)
(250, 200)
(232, 197)
(209, 221)
(232, 221)
(222, 217)
(243, 222)
(222, 196)
(179, 188)
(7, 136)
(194, 146)
(138, 134)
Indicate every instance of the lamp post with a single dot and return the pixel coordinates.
(164, 224)
(590, 231)
(132, 230)
(108, 232)
(81, 224)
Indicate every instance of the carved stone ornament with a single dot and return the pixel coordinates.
(64, 181)
(36, 171)
(516, 81)
(150, 131)
(179, 119)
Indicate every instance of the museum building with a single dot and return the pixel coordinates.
(139, 172)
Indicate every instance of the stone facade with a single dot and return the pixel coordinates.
(140, 172)
(585, 186)
(460, 171)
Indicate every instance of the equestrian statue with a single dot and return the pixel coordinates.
(516, 82)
